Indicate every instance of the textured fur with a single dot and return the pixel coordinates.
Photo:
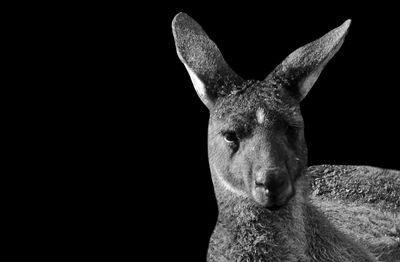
(296, 232)
(376, 187)
(363, 202)
(259, 164)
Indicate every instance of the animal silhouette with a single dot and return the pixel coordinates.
(258, 156)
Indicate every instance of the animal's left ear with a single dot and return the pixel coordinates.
(299, 71)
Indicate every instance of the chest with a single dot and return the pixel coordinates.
(252, 243)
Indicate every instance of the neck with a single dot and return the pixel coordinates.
(256, 228)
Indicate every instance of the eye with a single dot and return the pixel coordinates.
(230, 137)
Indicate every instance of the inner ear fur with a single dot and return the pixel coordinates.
(202, 59)
(301, 69)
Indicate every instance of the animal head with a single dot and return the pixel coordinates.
(256, 140)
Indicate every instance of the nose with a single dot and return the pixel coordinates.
(272, 179)
(272, 187)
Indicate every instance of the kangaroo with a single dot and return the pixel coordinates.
(258, 154)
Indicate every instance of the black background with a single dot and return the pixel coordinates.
(142, 130)
(351, 114)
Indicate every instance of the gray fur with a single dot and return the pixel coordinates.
(258, 222)
(309, 59)
(201, 54)
(364, 185)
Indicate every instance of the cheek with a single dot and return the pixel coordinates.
(296, 157)
(220, 156)
(237, 176)
(298, 160)
(235, 168)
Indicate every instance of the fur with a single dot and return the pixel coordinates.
(296, 232)
(258, 155)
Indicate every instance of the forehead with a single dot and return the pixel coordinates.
(257, 101)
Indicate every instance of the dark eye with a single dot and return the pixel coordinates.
(230, 137)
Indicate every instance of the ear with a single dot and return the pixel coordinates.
(204, 62)
(301, 69)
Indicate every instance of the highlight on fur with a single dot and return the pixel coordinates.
(272, 207)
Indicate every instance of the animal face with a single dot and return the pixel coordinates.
(256, 143)
(256, 136)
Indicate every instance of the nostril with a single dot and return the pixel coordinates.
(272, 182)
(259, 184)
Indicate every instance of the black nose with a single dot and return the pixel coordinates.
(274, 180)
(273, 188)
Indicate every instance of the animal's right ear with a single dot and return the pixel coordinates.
(204, 62)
